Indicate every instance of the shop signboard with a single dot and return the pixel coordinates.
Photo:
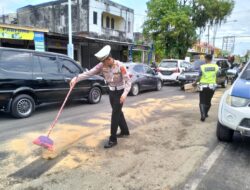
(16, 34)
(19, 34)
(39, 41)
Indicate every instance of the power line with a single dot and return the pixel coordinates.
(221, 37)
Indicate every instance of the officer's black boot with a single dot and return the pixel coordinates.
(207, 109)
(203, 112)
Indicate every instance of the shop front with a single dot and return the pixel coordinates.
(14, 36)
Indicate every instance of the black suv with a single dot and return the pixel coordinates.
(29, 78)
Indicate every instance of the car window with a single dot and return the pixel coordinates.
(189, 65)
(148, 70)
(68, 67)
(183, 64)
(49, 64)
(224, 65)
(197, 64)
(16, 61)
(139, 69)
(36, 66)
(219, 63)
(168, 64)
(246, 73)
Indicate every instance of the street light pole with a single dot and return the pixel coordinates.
(208, 26)
(70, 47)
(208, 38)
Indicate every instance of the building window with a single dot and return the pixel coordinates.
(129, 26)
(113, 23)
(94, 17)
(107, 22)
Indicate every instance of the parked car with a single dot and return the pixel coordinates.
(29, 78)
(192, 73)
(224, 65)
(233, 73)
(143, 78)
(170, 69)
(234, 108)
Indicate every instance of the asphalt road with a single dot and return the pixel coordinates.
(231, 170)
(41, 119)
(225, 167)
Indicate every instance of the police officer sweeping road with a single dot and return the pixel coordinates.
(207, 86)
(119, 86)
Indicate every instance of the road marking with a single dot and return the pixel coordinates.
(195, 180)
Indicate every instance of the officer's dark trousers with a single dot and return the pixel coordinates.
(117, 118)
(206, 96)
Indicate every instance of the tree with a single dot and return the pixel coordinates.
(172, 24)
(170, 27)
(214, 12)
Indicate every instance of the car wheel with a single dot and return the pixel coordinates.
(95, 95)
(224, 84)
(22, 106)
(159, 85)
(135, 90)
(224, 133)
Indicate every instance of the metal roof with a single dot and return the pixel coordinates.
(13, 26)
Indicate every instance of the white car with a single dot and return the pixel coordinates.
(170, 69)
(234, 109)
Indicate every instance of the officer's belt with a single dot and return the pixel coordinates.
(113, 88)
(211, 86)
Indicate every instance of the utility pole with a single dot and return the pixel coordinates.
(70, 47)
(228, 43)
(208, 26)
(224, 39)
(208, 34)
(3, 16)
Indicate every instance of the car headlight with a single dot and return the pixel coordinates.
(236, 101)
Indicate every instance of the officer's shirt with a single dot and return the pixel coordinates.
(116, 76)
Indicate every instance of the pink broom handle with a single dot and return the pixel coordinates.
(60, 111)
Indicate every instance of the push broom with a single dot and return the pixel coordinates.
(45, 141)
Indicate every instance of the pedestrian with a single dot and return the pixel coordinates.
(119, 84)
(207, 85)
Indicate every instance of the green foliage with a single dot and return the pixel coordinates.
(210, 12)
(172, 24)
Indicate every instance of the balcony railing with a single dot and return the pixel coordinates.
(115, 33)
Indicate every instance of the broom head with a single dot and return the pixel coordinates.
(45, 142)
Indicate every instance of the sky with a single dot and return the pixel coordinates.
(238, 24)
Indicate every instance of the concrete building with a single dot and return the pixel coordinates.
(95, 23)
(8, 18)
(95, 18)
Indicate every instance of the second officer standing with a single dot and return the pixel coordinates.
(207, 86)
(119, 86)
